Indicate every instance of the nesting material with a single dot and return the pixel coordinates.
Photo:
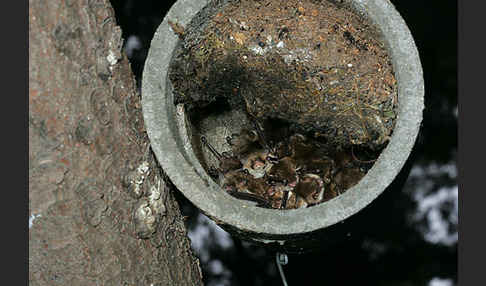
(314, 64)
(314, 82)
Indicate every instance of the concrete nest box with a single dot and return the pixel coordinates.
(175, 135)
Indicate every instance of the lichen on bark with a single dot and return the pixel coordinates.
(86, 138)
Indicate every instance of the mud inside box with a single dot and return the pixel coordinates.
(289, 103)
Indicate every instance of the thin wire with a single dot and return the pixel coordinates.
(282, 259)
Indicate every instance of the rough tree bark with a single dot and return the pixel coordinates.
(104, 211)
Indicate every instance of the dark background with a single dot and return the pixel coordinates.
(408, 235)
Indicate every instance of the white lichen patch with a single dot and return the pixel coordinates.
(143, 171)
(112, 59)
(149, 210)
(143, 168)
(135, 179)
(155, 198)
(32, 218)
(144, 219)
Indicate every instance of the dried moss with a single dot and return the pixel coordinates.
(313, 64)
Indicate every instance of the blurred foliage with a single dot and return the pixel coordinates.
(387, 244)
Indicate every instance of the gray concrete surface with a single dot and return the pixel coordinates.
(170, 135)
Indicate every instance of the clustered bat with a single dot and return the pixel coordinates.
(237, 180)
(293, 173)
(281, 170)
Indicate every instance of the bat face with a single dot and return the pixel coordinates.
(284, 171)
(310, 188)
(243, 143)
(281, 150)
(257, 164)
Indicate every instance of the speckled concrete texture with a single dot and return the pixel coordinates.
(170, 138)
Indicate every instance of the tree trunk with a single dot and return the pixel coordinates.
(101, 210)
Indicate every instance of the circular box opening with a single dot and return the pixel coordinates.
(171, 139)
